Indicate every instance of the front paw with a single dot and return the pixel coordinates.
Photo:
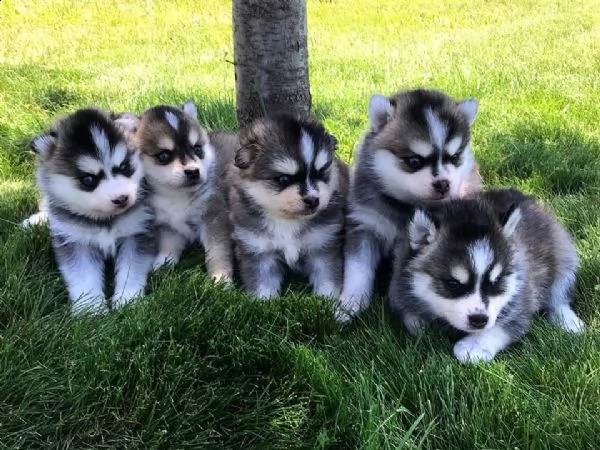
(125, 297)
(471, 350)
(96, 305)
(163, 260)
(413, 323)
(348, 307)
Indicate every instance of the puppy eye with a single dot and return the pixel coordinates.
(164, 157)
(453, 286)
(454, 159)
(89, 181)
(199, 151)
(284, 180)
(125, 168)
(414, 162)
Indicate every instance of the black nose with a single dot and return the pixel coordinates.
(442, 186)
(120, 200)
(478, 321)
(192, 174)
(311, 202)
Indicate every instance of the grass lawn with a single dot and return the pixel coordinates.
(193, 365)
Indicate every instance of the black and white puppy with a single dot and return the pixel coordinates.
(287, 200)
(418, 149)
(89, 180)
(186, 183)
(485, 266)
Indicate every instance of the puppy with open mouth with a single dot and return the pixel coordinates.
(90, 183)
(287, 200)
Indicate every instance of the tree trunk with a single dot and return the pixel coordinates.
(270, 58)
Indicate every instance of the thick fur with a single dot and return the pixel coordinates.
(185, 178)
(287, 202)
(89, 180)
(418, 149)
(485, 266)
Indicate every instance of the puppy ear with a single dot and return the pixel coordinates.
(381, 111)
(127, 122)
(44, 144)
(469, 109)
(421, 230)
(330, 142)
(190, 108)
(510, 219)
(243, 158)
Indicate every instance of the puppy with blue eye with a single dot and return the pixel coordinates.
(287, 200)
(185, 179)
(89, 178)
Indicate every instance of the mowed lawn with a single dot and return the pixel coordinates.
(192, 365)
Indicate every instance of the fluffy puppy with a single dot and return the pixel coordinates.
(89, 180)
(418, 149)
(485, 266)
(287, 202)
(185, 178)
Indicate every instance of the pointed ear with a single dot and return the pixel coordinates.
(469, 109)
(421, 230)
(243, 158)
(127, 122)
(510, 220)
(381, 111)
(190, 108)
(43, 144)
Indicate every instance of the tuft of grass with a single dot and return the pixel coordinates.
(202, 366)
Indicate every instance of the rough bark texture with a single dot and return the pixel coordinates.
(271, 58)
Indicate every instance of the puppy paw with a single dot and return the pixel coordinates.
(222, 278)
(349, 306)
(125, 297)
(413, 323)
(163, 260)
(566, 318)
(94, 306)
(40, 218)
(470, 350)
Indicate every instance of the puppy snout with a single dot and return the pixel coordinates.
(311, 202)
(192, 174)
(121, 201)
(478, 321)
(442, 186)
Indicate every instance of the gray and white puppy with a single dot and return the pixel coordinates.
(287, 202)
(418, 149)
(185, 179)
(89, 180)
(485, 266)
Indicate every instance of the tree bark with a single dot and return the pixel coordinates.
(270, 58)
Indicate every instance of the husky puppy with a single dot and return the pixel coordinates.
(287, 204)
(185, 179)
(418, 149)
(485, 266)
(89, 180)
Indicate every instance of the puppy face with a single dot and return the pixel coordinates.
(421, 145)
(87, 167)
(175, 150)
(287, 165)
(464, 269)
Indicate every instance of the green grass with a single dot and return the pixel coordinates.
(194, 365)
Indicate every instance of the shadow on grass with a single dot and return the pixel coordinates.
(547, 159)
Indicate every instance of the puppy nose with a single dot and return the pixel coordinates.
(120, 200)
(442, 186)
(311, 202)
(478, 321)
(192, 174)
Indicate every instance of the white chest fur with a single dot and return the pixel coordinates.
(105, 239)
(285, 236)
(175, 209)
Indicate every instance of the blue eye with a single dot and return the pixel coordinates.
(199, 151)
(284, 180)
(164, 157)
(89, 181)
(414, 162)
